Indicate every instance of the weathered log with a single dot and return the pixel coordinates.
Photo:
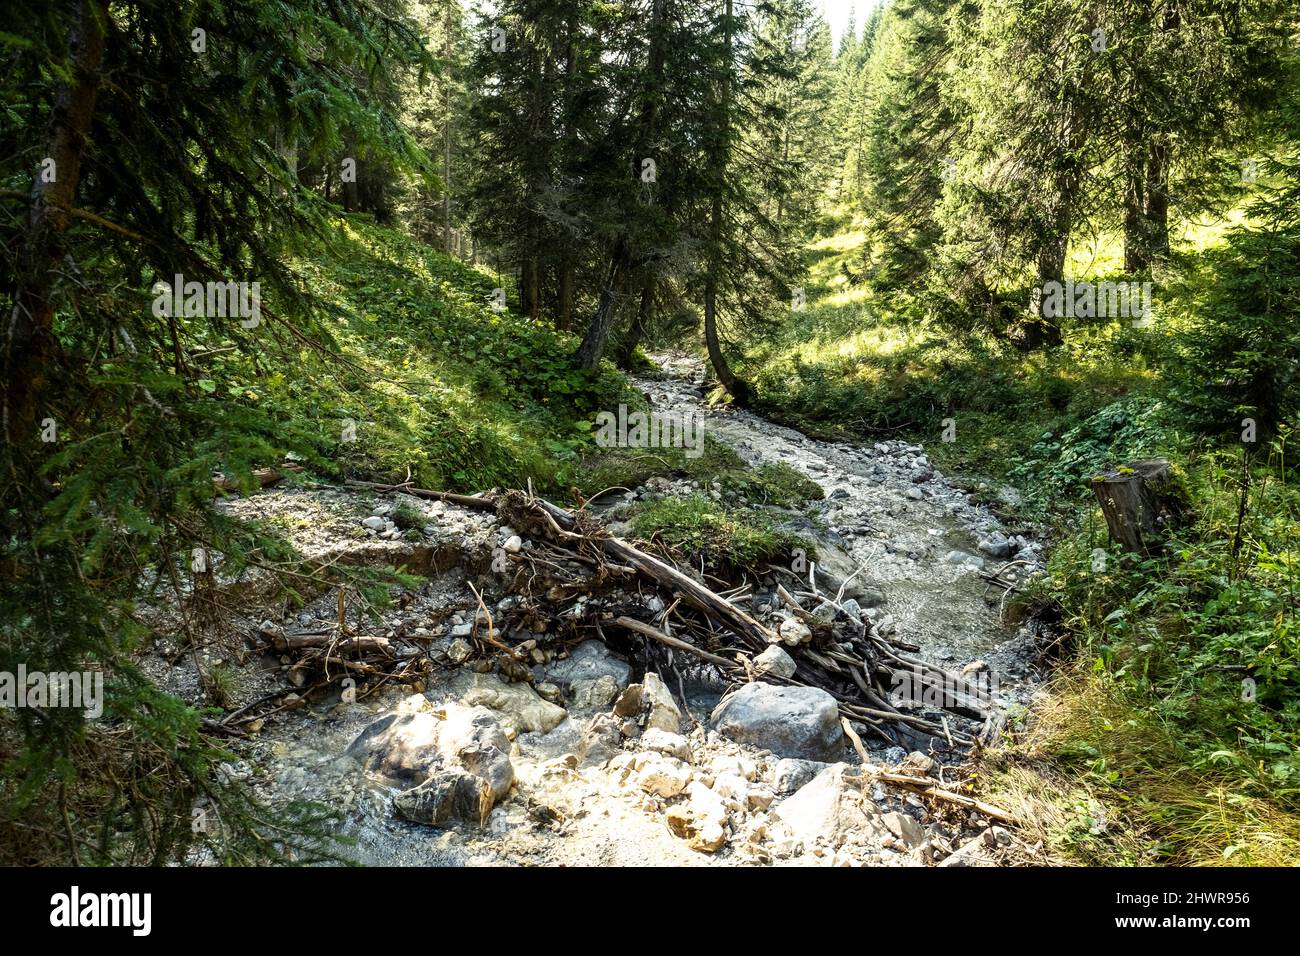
(668, 640)
(465, 501)
(263, 477)
(285, 643)
(1140, 501)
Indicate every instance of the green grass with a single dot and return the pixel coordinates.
(723, 538)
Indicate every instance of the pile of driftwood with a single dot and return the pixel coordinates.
(574, 556)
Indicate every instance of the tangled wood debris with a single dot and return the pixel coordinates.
(574, 556)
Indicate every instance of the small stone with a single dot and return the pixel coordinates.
(460, 650)
(374, 523)
(589, 660)
(917, 764)
(514, 544)
(664, 776)
(775, 661)
(700, 821)
(601, 741)
(790, 774)
(664, 742)
(895, 755)
(733, 789)
(970, 854)
(519, 707)
(598, 693)
(904, 828)
(794, 632)
(650, 703)
(549, 691)
(996, 545)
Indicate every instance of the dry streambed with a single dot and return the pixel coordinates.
(576, 753)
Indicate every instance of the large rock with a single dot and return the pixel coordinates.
(471, 738)
(589, 661)
(459, 756)
(701, 820)
(403, 744)
(831, 810)
(799, 722)
(650, 704)
(448, 795)
(518, 706)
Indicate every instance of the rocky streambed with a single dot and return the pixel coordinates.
(605, 758)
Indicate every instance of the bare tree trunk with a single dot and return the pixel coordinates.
(1156, 213)
(530, 287)
(640, 322)
(593, 343)
(739, 390)
(1136, 249)
(564, 313)
(29, 334)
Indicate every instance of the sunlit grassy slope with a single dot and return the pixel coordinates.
(1144, 751)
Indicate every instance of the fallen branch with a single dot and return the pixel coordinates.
(655, 634)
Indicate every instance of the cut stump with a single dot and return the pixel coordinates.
(1140, 501)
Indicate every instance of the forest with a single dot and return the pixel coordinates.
(724, 406)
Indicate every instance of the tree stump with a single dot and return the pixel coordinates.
(1140, 500)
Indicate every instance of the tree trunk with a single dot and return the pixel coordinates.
(1140, 501)
(564, 311)
(1156, 211)
(738, 389)
(29, 343)
(1136, 248)
(446, 140)
(593, 343)
(1044, 331)
(529, 288)
(640, 323)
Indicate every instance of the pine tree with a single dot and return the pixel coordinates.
(154, 142)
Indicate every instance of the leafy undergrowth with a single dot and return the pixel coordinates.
(429, 383)
(1102, 780)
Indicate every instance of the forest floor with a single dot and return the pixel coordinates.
(682, 793)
